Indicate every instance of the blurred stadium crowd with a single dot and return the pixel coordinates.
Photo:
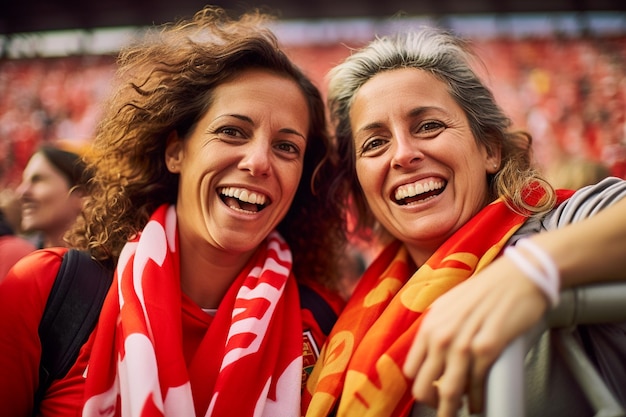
(568, 92)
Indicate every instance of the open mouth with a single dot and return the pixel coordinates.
(28, 208)
(418, 192)
(243, 200)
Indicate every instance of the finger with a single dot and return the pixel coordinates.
(415, 357)
(452, 384)
(448, 409)
(485, 347)
(437, 316)
(448, 364)
(424, 362)
(445, 336)
(499, 328)
(476, 395)
(424, 389)
(465, 365)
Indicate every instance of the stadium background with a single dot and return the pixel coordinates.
(558, 67)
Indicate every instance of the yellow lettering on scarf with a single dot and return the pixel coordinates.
(334, 358)
(428, 284)
(362, 397)
(385, 289)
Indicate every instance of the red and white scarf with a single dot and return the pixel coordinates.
(248, 364)
(360, 367)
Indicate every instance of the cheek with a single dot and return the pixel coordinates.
(289, 178)
(191, 176)
(360, 169)
(54, 195)
(369, 177)
(466, 161)
(294, 182)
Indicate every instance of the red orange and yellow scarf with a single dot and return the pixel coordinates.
(137, 367)
(360, 366)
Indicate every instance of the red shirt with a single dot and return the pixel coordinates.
(12, 249)
(23, 296)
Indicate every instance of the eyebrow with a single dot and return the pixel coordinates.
(249, 120)
(421, 110)
(418, 111)
(369, 126)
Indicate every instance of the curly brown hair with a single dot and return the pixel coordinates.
(166, 83)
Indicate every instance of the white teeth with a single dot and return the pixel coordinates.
(417, 188)
(244, 195)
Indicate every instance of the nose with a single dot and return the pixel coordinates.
(21, 190)
(256, 157)
(406, 151)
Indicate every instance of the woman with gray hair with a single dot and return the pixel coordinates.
(429, 157)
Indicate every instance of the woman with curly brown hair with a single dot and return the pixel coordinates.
(210, 170)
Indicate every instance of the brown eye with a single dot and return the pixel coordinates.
(288, 147)
(230, 131)
(372, 144)
(430, 126)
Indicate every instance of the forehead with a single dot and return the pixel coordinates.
(408, 82)
(262, 96)
(257, 80)
(38, 163)
(402, 90)
(40, 166)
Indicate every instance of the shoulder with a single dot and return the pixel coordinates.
(12, 249)
(587, 202)
(16, 244)
(28, 283)
(37, 262)
(609, 190)
(584, 203)
(23, 296)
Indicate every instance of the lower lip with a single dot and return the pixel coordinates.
(241, 214)
(421, 203)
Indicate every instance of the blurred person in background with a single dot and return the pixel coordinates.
(12, 245)
(52, 192)
(576, 172)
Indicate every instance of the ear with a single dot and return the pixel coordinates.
(77, 198)
(173, 153)
(493, 159)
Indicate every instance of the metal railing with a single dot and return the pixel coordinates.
(604, 303)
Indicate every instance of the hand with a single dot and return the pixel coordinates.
(465, 330)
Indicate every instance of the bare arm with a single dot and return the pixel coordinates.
(590, 251)
(467, 328)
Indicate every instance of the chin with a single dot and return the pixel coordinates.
(240, 245)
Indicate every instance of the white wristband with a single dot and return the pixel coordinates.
(546, 278)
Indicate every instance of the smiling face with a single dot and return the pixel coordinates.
(47, 204)
(421, 170)
(241, 165)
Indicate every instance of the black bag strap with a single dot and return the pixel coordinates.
(70, 315)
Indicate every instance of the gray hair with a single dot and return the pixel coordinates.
(449, 58)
